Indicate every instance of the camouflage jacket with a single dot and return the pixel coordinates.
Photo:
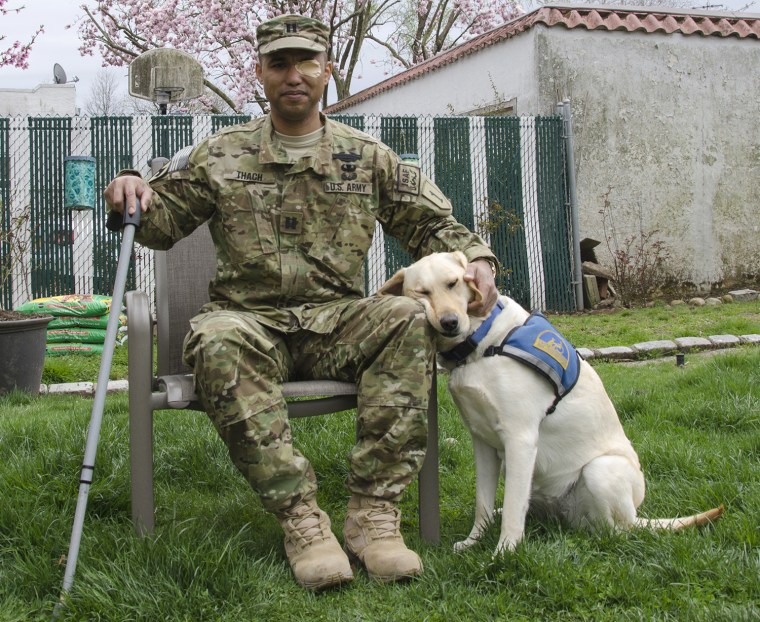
(291, 237)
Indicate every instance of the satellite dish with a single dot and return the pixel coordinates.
(165, 75)
(59, 75)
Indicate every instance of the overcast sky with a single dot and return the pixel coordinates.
(61, 45)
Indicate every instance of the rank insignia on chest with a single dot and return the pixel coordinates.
(408, 178)
(291, 222)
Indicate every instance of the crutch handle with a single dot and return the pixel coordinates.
(116, 221)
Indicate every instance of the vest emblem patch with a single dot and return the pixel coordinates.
(552, 344)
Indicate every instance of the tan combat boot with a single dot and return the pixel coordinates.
(372, 536)
(313, 551)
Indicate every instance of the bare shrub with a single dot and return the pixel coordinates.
(638, 260)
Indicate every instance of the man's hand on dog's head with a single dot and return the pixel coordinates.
(480, 274)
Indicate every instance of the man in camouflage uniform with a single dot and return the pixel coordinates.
(291, 200)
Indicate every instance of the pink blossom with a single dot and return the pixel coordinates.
(17, 54)
(221, 34)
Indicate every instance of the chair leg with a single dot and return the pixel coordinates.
(140, 377)
(429, 488)
(141, 466)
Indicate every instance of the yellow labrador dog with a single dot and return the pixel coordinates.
(559, 441)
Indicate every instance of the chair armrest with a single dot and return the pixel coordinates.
(179, 390)
(139, 320)
(139, 344)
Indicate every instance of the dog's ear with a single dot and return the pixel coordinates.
(461, 258)
(476, 294)
(394, 286)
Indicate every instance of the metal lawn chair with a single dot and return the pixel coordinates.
(182, 275)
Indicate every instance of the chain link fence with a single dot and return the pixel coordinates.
(505, 176)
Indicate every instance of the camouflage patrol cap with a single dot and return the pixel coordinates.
(292, 32)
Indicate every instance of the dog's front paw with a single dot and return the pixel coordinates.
(505, 545)
(464, 545)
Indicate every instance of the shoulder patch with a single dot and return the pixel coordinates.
(408, 178)
(181, 160)
(435, 198)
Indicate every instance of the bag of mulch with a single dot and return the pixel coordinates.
(76, 335)
(73, 321)
(62, 349)
(82, 305)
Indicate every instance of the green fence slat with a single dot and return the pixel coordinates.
(52, 232)
(219, 121)
(356, 121)
(400, 134)
(453, 169)
(6, 259)
(170, 133)
(111, 139)
(505, 202)
(554, 221)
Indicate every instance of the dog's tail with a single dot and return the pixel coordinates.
(695, 520)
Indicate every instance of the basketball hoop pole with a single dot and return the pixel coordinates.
(165, 95)
(162, 99)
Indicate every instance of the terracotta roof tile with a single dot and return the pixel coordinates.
(651, 24)
(746, 28)
(670, 24)
(743, 26)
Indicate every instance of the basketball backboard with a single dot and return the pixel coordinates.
(165, 75)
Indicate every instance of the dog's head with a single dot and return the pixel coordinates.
(437, 281)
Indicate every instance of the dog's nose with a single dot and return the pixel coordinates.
(449, 323)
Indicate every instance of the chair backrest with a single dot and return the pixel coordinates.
(182, 277)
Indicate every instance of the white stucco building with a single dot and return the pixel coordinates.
(665, 110)
(45, 99)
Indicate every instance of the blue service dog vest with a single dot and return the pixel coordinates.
(540, 346)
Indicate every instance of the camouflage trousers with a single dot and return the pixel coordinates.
(384, 344)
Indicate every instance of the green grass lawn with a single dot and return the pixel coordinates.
(625, 327)
(217, 556)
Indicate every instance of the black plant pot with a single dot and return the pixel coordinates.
(22, 353)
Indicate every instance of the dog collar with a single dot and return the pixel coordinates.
(462, 350)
